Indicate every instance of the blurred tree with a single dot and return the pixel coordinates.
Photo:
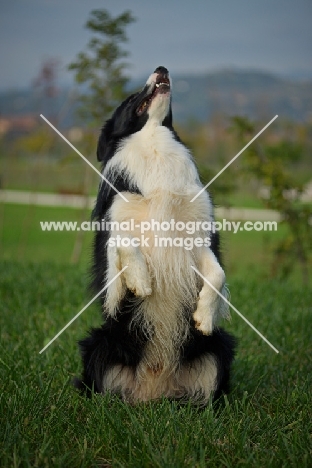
(102, 69)
(270, 164)
(46, 79)
(46, 89)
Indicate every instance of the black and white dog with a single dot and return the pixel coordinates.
(159, 338)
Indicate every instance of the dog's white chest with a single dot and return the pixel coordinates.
(153, 160)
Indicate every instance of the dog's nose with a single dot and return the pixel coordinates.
(162, 71)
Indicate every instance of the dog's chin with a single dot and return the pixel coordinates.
(159, 107)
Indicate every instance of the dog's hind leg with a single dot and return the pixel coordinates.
(210, 305)
(111, 346)
(205, 365)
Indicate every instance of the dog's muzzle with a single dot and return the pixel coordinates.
(158, 83)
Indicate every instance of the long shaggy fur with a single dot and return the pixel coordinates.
(160, 334)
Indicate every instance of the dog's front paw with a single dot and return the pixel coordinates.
(138, 281)
(203, 319)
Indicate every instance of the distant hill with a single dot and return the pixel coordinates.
(254, 94)
(249, 93)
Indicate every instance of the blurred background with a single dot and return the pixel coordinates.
(234, 66)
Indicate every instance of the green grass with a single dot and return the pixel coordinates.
(264, 422)
(21, 237)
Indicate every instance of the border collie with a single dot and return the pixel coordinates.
(160, 336)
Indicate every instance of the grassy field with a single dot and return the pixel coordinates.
(264, 422)
(22, 239)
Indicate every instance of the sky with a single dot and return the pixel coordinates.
(186, 36)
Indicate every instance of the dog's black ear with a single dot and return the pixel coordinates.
(103, 147)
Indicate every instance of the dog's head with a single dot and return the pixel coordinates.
(152, 103)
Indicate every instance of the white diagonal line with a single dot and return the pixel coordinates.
(83, 157)
(82, 310)
(235, 310)
(232, 160)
